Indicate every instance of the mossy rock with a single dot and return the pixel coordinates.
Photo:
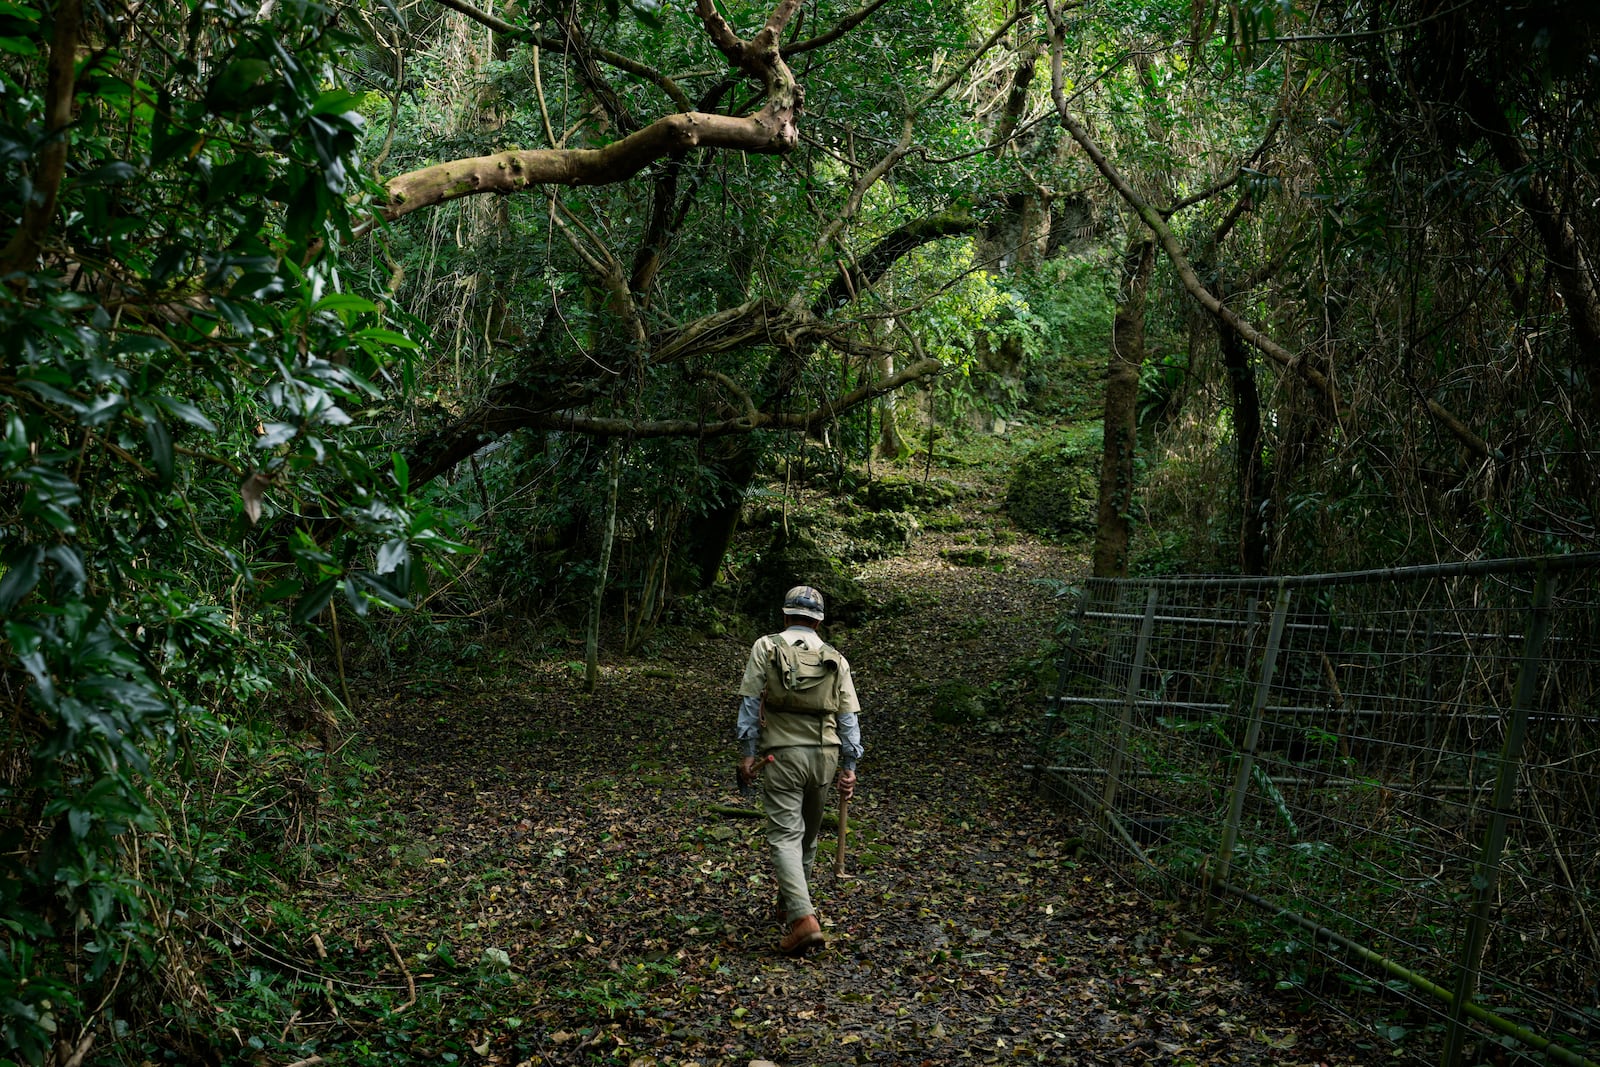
(887, 531)
(802, 560)
(974, 557)
(1055, 489)
(946, 520)
(905, 494)
(850, 537)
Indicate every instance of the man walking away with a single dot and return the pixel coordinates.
(797, 725)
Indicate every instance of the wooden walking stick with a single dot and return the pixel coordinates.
(844, 817)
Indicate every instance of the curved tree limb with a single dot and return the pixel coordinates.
(596, 426)
(848, 23)
(1151, 217)
(1564, 252)
(513, 171)
(771, 130)
(889, 249)
(518, 406)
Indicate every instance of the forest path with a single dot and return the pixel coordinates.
(580, 836)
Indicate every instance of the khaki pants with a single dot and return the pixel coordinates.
(793, 790)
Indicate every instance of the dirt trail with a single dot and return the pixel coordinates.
(578, 835)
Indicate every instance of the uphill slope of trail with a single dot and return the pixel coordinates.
(597, 842)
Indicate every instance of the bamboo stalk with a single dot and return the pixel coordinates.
(1247, 758)
(1487, 876)
(1477, 1012)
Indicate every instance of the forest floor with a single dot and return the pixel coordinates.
(586, 838)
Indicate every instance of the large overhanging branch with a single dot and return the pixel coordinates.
(772, 130)
(513, 171)
(859, 276)
(763, 322)
(596, 426)
(516, 406)
(1151, 217)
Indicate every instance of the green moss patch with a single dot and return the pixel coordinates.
(1055, 488)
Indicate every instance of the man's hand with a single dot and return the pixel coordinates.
(750, 767)
(847, 784)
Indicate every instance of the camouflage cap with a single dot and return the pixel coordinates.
(804, 601)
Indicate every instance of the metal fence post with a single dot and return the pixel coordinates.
(1119, 750)
(1486, 872)
(1247, 758)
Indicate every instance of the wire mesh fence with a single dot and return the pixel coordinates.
(1388, 782)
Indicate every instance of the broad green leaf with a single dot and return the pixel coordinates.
(344, 302)
(158, 438)
(391, 555)
(402, 472)
(315, 599)
(379, 335)
(187, 412)
(22, 574)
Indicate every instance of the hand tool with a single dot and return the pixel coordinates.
(844, 816)
(746, 785)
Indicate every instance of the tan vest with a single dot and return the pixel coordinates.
(782, 730)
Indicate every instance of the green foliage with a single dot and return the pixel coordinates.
(1054, 490)
(1064, 317)
(956, 702)
(178, 363)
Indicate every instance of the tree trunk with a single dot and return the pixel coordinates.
(890, 445)
(711, 533)
(591, 676)
(1113, 524)
(1251, 479)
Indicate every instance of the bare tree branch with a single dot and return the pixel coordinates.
(848, 23)
(596, 426)
(771, 130)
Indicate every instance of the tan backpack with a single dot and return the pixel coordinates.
(803, 682)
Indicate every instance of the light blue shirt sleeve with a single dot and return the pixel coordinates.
(850, 747)
(748, 730)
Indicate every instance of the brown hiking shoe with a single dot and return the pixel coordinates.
(804, 934)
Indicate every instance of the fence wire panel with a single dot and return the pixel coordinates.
(1387, 782)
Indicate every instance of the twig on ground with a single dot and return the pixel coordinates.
(411, 983)
(327, 983)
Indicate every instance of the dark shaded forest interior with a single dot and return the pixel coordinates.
(411, 411)
(613, 868)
